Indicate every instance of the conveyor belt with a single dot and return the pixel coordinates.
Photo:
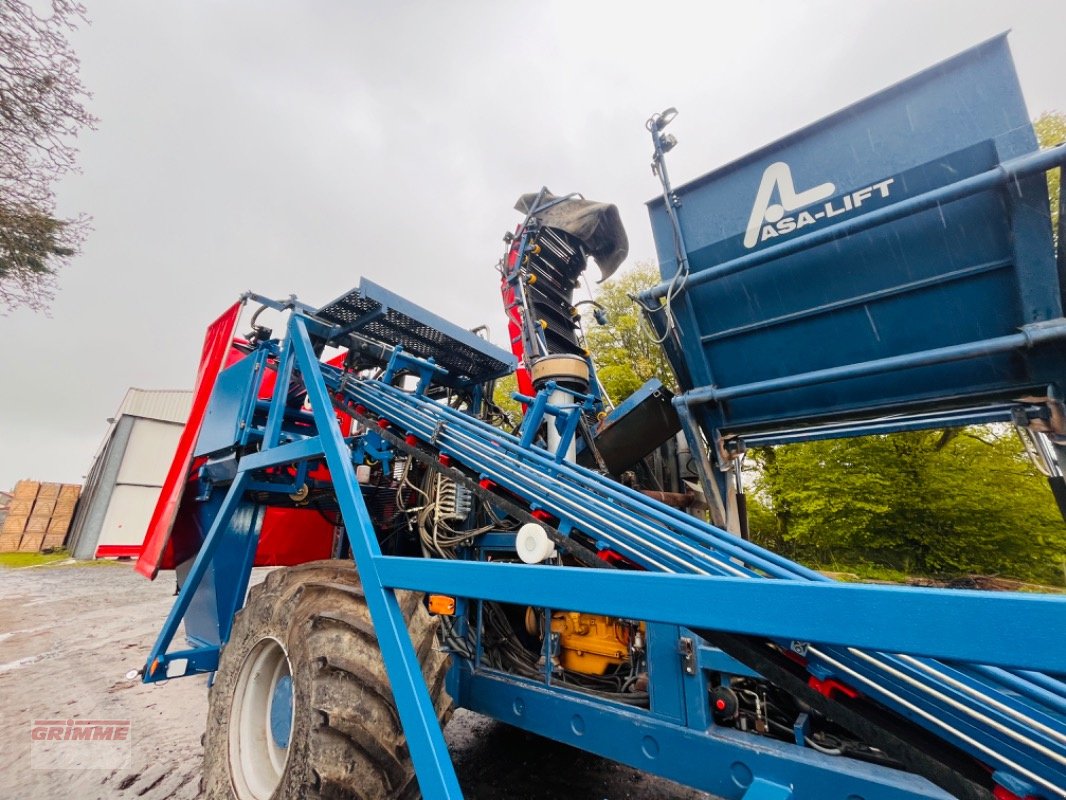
(386, 317)
(1014, 721)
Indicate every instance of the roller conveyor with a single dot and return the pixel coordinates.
(1010, 720)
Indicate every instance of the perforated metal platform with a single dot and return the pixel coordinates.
(378, 314)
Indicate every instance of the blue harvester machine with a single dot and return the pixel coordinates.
(888, 268)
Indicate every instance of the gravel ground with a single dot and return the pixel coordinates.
(69, 635)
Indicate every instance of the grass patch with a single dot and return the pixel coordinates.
(872, 573)
(56, 559)
(97, 562)
(862, 573)
(16, 560)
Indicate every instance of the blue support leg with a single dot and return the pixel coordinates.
(221, 592)
(158, 656)
(433, 766)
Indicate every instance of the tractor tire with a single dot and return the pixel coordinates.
(301, 706)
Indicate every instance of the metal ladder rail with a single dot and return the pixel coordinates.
(434, 413)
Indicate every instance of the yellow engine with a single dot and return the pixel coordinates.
(590, 643)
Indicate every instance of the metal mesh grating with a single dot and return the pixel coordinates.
(348, 308)
(466, 364)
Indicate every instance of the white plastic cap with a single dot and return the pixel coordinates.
(533, 544)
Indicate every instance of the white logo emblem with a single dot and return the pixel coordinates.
(768, 218)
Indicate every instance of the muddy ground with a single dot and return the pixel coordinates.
(69, 635)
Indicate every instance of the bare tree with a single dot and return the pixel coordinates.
(42, 109)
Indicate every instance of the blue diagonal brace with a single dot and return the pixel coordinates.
(276, 415)
(157, 657)
(433, 765)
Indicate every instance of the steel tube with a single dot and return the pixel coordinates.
(1002, 707)
(490, 463)
(1016, 683)
(939, 723)
(772, 563)
(925, 358)
(491, 456)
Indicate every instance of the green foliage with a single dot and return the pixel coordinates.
(765, 527)
(501, 396)
(926, 502)
(29, 243)
(865, 573)
(625, 350)
(1051, 130)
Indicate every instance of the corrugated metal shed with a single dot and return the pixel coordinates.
(128, 473)
(168, 405)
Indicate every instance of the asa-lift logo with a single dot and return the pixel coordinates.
(770, 219)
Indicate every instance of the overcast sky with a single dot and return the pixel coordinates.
(293, 147)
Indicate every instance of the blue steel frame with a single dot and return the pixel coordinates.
(675, 737)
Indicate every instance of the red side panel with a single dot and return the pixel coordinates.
(157, 552)
(118, 551)
(292, 536)
(287, 535)
(514, 328)
(295, 535)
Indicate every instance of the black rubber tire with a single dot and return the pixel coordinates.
(346, 740)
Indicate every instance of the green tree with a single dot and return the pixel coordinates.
(1050, 130)
(502, 393)
(42, 109)
(925, 502)
(625, 350)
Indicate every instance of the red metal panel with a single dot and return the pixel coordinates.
(158, 549)
(514, 328)
(293, 536)
(118, 551)
(287, 536)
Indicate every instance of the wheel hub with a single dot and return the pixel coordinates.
(281, 712)
(261, 720)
